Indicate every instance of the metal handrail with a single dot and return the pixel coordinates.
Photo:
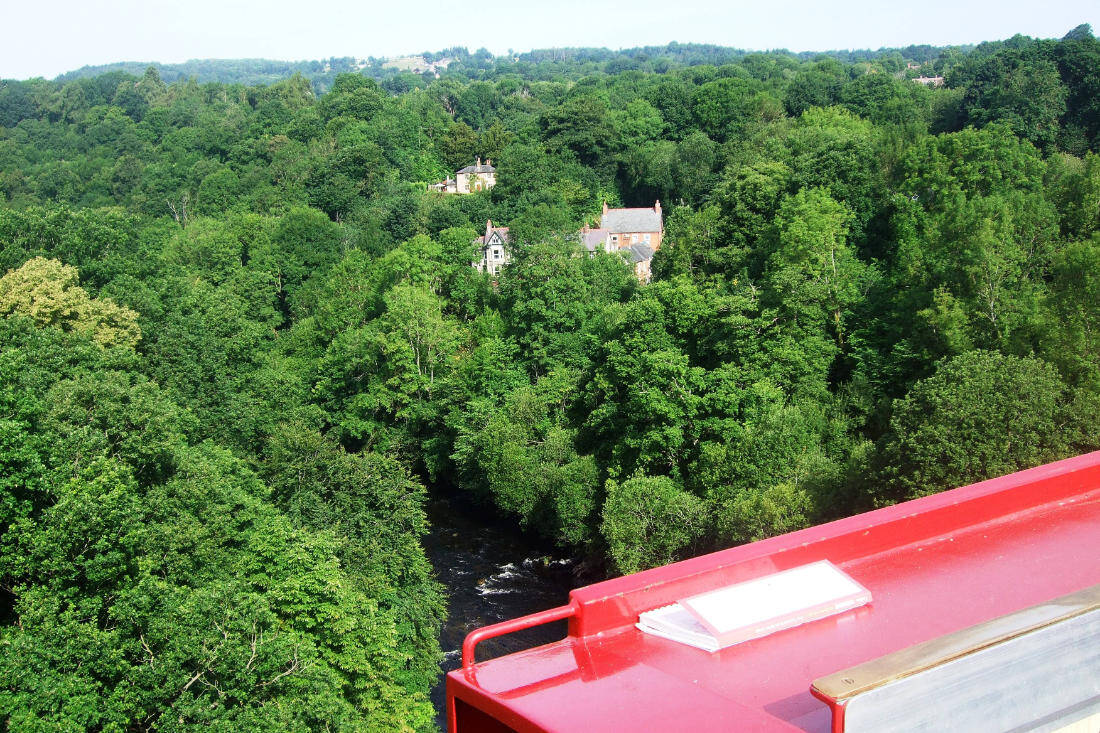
(469, 644)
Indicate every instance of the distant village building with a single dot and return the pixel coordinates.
(477, 177)
(934, 81)
(494, 249)
(417, 64)
(912, 65)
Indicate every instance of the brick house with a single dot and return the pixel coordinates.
(634, 226)
(636, 233)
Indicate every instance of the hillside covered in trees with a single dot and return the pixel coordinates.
(240, 342)
(554, 63)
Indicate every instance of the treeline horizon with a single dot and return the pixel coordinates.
(240, 342)
(482, 63)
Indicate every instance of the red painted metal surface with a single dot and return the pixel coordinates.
(934, 565)
(475, 637)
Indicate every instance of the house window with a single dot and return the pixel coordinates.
(633, 238)
(614, 238)
(645, 238)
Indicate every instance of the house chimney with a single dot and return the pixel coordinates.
(657, 207)
(478, 161)
(488, 228)
(489, 162)
(605, 207)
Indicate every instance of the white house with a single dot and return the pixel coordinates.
(471, 179)
(494, 249)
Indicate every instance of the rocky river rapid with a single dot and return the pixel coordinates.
(492, 571)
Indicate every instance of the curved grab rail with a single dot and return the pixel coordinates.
(469, 644)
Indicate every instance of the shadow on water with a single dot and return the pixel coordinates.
(492, 571)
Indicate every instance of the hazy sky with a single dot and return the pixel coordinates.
(46, 38)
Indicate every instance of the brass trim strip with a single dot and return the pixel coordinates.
(906, 662)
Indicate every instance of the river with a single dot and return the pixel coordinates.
(492, 571)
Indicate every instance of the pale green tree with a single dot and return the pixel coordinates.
(650, 521)
(46, 291)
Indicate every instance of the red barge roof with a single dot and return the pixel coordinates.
(935, 566)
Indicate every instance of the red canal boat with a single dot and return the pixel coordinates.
(985, 615)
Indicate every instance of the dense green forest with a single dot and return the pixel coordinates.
(240, 342)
